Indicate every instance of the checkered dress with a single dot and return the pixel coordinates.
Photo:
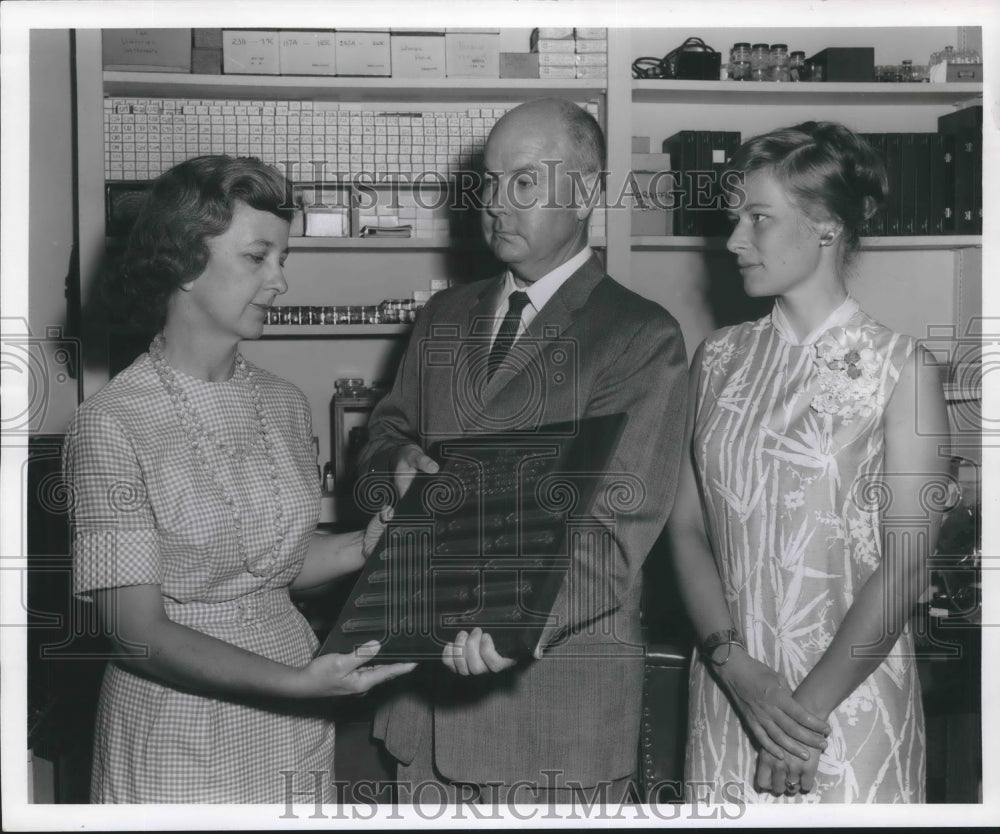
(146, 511)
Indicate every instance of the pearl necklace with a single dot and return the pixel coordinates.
(202, 439)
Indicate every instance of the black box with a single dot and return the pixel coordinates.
(846, 63)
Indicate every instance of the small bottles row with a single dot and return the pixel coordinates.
(390, 311)
(770, 62)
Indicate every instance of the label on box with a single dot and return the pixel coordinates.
(307, 53)
(472, 55)
(250, 52)
(363, 53)
(418, 56)
(592, 72)
(147, 50)
(556, 72)
(591, 46)
(591, 59)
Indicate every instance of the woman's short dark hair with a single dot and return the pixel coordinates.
(186, 207)
(828, 170)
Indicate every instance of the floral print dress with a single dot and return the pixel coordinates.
(788, 447)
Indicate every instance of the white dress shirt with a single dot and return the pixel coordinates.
(539, 292)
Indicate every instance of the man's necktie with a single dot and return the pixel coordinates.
(508, 331)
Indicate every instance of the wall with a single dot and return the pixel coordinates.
(51, 220)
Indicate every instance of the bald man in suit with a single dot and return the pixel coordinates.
(567, 719)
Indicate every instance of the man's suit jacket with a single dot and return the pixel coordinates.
(595, 348)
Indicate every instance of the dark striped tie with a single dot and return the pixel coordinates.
(508, 331)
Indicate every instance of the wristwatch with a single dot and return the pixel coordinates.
(726, 637)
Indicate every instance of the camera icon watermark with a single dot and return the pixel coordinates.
(38, 372)
(539, 380)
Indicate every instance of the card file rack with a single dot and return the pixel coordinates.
(313, 143)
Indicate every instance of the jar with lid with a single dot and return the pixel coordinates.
(739, 62)
(796, 66)
(760, 61)
(778, 62)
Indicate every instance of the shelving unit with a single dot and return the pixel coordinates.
(675, 271)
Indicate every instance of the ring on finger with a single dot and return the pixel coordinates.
(791, 785)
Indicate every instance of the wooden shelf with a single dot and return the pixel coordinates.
(333, 88)
(868, 244)
(333, 331)
(819, 93)
(314, 244)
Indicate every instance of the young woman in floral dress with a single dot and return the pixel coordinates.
(809, 502)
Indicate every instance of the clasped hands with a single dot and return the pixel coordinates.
(789, 736)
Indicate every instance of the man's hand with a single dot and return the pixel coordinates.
(474, 654)
(412, 459)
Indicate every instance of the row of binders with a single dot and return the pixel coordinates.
(934, 179)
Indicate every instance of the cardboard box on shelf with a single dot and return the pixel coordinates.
(363, 53)
(307, 53)
(206, 60)
(846, 63)
(472, 55)
(418, 55)
(519, 64)
(250, 52)
(557, 72)
(554, 46)
(146, 50)
(207, 38)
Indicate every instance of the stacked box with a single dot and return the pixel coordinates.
(146, 50)
(307, 53)
(250, 52)
(579, 53)
(420, 55)
(363, 52)
(472, 53)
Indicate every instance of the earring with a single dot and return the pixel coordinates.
(827, 238)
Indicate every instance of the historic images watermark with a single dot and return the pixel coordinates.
(316, 795)
(561, 187)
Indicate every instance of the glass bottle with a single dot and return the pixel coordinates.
(760, 59)
(739, 62)
(906, 71)
(796, 66)
(778, 61)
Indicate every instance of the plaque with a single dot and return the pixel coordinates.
(483, 542)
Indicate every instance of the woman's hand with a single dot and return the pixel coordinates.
(374, 530)
(778, 722)
(345, 674)
(786, 776)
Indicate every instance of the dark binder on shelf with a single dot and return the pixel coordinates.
(968, 118)
(966, 125)
(875, 226)
(922, 183)
(907, 185)
(485, 541)
(942, 184)
(967, 147)
(893, 151)
(716, 149)
(682, 147)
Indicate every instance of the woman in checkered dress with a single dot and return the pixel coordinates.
(195, 508)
